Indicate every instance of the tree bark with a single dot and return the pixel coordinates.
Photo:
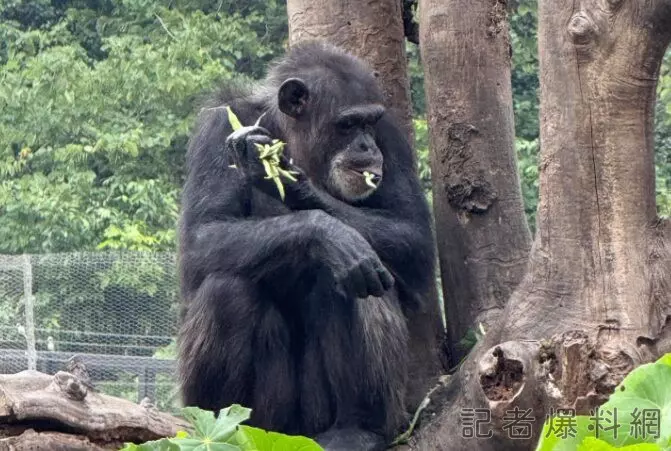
(483, 236)
(372, 30)
(596, 300)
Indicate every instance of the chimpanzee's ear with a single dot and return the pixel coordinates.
(292, 97)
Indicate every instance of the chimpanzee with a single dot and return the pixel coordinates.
(296, 306)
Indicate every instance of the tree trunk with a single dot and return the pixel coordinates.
(483, 236)
(371, 30)
(374, 31)
(596, 300)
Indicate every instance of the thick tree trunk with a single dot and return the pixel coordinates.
(371, 30)
(596, 301)
(483, 236)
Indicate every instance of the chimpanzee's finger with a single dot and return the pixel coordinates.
(260, 139)
(358, 282)
(373, 282)
(241, 133)
(385, 277)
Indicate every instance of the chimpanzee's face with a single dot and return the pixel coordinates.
(345, 142)
(355, 168)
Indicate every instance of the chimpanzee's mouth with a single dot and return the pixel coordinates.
(372, 178)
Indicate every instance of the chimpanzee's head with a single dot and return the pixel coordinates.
(328, 110)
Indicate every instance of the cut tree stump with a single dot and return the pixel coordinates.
(59, 412)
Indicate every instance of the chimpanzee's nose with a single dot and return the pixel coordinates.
(366, 143)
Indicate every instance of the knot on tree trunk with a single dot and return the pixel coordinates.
(473, 196)
(466, 189)
(582, 29)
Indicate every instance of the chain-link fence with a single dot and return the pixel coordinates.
(116, 310)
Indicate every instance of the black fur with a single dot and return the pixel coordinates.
(263, 323)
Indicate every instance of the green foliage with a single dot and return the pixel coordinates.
(416, 78)
(663, 139)
(525, 82)
(595, 444)
(96, 104)
(525, 102)
(422, 149)
(647, 387)
(225, 433)
(527, 165)
(97, 100)
(167, 352)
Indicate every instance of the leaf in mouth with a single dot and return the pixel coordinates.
(369, 179)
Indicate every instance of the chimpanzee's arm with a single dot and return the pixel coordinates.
(254, 247)
(282, 248)
(401, 236)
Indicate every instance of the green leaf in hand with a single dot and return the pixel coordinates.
(270, 157)
(233, 119)
(269, 154)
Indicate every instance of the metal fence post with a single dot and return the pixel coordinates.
(29, 306)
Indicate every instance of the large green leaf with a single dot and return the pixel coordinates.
(225, 433)
(273, 441)
(595, 444)
(564, 435)
(646, 389)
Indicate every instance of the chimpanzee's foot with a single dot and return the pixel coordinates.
(351, 439)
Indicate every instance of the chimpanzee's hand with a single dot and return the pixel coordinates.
(288, 164)
(355, 266)
(296, 190)
(241, 147)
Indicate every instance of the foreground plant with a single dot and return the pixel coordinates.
(224, 433)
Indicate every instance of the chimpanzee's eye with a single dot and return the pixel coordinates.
(347, 125)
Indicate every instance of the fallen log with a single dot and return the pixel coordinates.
(61, 412)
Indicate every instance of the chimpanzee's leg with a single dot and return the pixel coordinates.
(353, 373)
(235, 348)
